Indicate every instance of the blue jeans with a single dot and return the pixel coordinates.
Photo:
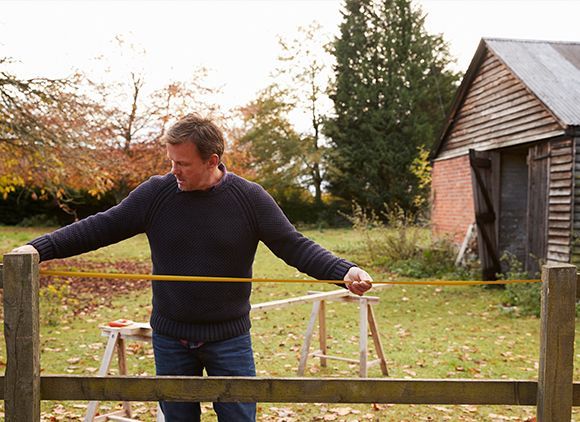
(230, 357)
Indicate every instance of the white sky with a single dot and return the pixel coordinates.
(237, 39)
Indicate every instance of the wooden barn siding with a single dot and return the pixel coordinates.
(560, 197)
(498, 111)
(575, 229)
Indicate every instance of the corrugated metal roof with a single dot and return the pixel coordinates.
(551, 70)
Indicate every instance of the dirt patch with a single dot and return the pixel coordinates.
(83, 294)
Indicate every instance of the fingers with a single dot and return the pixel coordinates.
(360, 280)
(359, 287)
(24, 249)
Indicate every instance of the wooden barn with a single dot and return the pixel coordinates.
(508, 158)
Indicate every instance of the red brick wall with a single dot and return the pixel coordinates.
(452, 199)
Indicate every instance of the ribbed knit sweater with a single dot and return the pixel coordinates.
(201, 233)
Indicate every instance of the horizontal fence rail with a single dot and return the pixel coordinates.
(291, 390)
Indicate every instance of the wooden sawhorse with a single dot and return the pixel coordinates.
(137, 331)
(366, 315)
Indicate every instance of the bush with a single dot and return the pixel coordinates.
(398, 244)
(52, 303)
(39, 220)
(525, 297)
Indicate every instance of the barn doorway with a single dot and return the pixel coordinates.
(521, 227)
(513, 203)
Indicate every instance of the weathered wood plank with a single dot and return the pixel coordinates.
(559, 217)
(558, 241)
(21, 331)
(308, 337)
(562, 183)
(565, 143)
(559, 232)
(561, 167)
(491, 86)
(300, 390)
(514, 136)
(556, 224)
(350, 297)
(503, 128)
(567, 175)
(363, 337)
(377, 340)
(485, 118)
(558, 257)
(288, 390)
(555, 390)
(551, 131)
(299, 299)
(322, 332)
(1, 276)
(493, 99)
(565, 157)
(560, 206)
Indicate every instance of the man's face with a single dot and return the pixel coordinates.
(188, 167)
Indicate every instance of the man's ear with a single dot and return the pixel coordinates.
(213, 160)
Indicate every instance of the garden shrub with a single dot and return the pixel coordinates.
(393, 241)
(525, 297)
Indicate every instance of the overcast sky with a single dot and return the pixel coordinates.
(236, 40)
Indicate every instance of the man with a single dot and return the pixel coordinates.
(201, 220)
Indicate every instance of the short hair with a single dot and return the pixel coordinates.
(202, 132)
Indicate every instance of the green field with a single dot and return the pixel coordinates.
(427, 332)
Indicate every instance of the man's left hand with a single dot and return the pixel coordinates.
(358, 281)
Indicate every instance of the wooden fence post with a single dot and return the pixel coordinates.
(21, 331)
(554, 401)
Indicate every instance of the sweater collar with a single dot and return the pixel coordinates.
(215, 188)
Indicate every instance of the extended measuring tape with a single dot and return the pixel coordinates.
(266, 280)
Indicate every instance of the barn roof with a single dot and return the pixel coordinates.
(549, 69)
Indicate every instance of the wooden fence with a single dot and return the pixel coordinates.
(554, 393)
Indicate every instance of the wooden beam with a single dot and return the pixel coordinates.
(290, 390)
(558, 317)
(1, 276)
(350, 297)
(21, 331)
(300, 299)
(363, 348)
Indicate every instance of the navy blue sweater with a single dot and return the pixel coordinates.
(202, 233)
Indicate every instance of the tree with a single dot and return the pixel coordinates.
(390, 96)
(132, 118)
(271, 143)
(304, 70)
(44, 139)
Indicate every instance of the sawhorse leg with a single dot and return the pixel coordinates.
(115, 341)
(103, 370)
(377, 340)
(308, 338)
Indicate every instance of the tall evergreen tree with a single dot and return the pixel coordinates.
(391, 93)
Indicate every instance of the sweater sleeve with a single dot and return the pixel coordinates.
(282, 238)
(120, 222)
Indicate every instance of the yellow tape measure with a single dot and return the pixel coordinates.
(265, 280)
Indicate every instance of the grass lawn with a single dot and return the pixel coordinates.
(427, 332)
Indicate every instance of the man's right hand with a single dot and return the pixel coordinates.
(24, 249)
